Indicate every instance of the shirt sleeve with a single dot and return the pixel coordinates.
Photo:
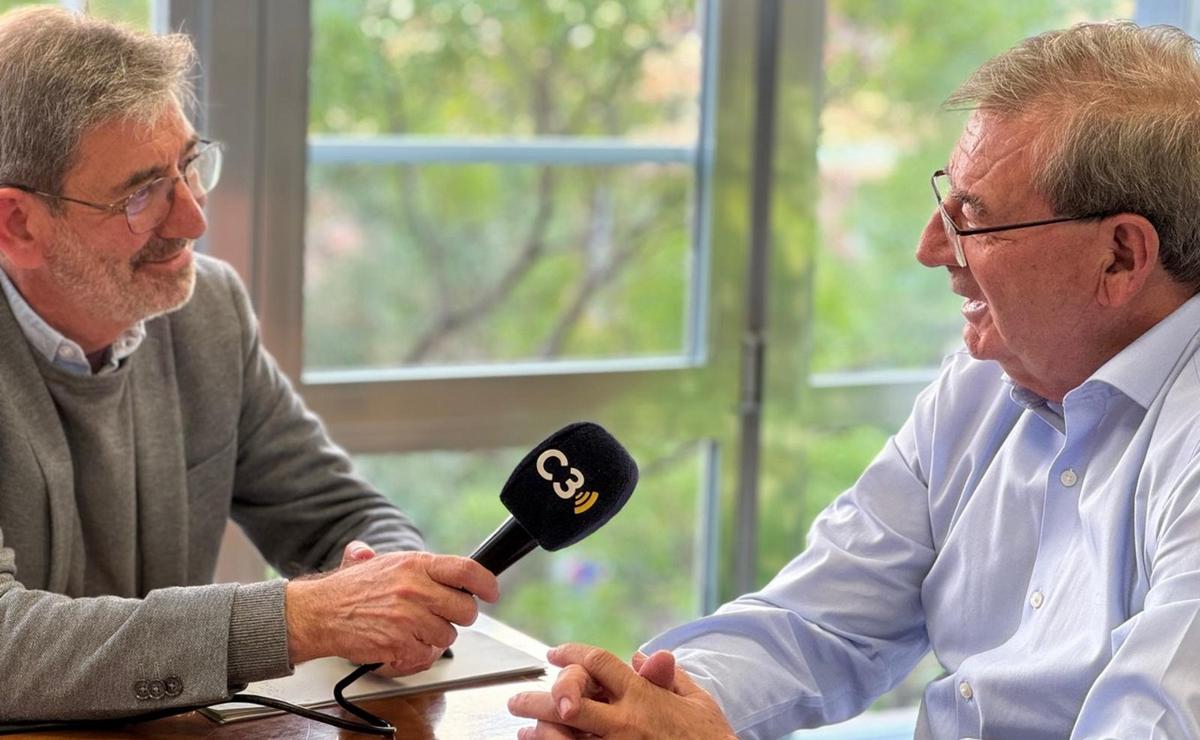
(1151, 687)
(841, 623)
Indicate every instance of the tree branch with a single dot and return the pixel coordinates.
(535, 244)
(596, 279)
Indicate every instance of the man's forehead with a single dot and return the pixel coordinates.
(993, 154)
(113, 154)
(167, 129)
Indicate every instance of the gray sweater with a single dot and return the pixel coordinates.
(114, 493)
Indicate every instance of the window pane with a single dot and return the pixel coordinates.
(468, 264)
(632, 578)
(565, 234)
(514, 68)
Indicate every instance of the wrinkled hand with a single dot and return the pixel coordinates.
(358, 552)
(596, 694)
(397, 608)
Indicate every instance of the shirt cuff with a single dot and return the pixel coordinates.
(258, 633)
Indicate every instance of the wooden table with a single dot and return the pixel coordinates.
(478, 712)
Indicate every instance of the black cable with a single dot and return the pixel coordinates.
(377, 726)
(353, 676)
(353, 708)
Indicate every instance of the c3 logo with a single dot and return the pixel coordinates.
(569, 488)
(573, 484)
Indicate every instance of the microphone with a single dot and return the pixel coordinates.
(567, 487)
(563, 490)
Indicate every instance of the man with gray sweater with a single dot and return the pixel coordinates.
(139, 411)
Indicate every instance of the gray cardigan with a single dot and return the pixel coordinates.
(219, 433)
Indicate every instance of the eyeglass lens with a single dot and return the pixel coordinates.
(150, 206)
(941, 184)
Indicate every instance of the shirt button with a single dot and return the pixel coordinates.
(964, 690)
(1068, 478)
(1037, 599)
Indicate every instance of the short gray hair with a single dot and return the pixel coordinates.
(1119, 110)
(61, 73)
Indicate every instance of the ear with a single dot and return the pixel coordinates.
(18, 243)
(1131, 258)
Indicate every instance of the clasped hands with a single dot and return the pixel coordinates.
(598, 695)
(399, 608)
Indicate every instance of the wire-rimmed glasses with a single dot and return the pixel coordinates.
(955, 234)
(148, 206)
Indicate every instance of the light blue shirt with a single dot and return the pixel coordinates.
(60, 351)
(1050, 559)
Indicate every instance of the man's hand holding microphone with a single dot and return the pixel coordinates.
(399, 608)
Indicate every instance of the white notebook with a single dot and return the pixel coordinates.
(476, 657)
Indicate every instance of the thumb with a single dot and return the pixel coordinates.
(356, 552)
(658, 669)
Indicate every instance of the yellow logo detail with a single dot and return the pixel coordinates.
(584, 501)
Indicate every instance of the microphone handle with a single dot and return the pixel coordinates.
(508, 544)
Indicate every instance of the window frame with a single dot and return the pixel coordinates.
(257, 54)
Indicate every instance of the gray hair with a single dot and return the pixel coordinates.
(1118, 106)
(61, 73)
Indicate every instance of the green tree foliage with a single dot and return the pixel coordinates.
(468, 263)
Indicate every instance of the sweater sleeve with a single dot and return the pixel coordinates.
(103, 657)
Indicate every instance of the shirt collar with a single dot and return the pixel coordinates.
(56, 348)
(1138, 371)
(1051, 413)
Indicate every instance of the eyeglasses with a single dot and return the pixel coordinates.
(148, 206)
(955, 234)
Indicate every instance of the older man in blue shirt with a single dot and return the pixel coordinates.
(1036, 521)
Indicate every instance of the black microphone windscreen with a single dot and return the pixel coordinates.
(570, 485)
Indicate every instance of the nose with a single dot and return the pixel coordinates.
(186, 219)
(934, 248)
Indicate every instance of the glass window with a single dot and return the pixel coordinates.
(500, 182)
(439, 264)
